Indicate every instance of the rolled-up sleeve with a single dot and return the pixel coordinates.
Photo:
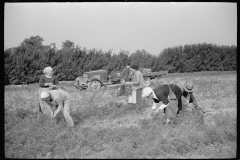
(163, 106)
(138, 78)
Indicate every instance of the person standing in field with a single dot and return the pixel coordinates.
(125, 74)
(62, 100)
(137, 85)
(170, 96)
(46, 82)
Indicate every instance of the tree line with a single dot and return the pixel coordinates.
(25, 65)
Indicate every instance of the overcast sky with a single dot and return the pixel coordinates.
(132, 26)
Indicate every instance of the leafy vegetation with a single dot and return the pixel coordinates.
(107, 127)
(26, 63)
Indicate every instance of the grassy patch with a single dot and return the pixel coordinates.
(107, 127)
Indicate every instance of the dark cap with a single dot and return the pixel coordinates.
(133, 66)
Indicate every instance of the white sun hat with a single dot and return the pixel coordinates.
(147, 91)
(44, 94)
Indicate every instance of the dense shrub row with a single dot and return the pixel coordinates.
(25, 64)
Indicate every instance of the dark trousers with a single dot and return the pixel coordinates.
(139, 98)
(178, 93)
(122, 88)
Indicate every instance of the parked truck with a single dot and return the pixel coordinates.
(94, 80)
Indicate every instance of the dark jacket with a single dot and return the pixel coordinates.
(43, 79)
(192, 98)
(162, 93)
(125, 73)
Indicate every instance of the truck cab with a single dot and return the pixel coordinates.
(101, 75)
(94, 80)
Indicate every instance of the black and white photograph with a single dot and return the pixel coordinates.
(120, 80)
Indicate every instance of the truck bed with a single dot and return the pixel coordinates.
(154, 74)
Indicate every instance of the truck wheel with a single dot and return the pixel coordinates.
(94, 85)
(147, 82)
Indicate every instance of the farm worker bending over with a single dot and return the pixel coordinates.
(125, 74)
(187, 92)
(137, 85)
(170, 95)
(47, 82)
(61, 99)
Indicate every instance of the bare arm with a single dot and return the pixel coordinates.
(49, 105)
(193, 100)
(60, 106)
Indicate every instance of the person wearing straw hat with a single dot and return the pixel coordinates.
(62, 100)
(46, 82)
(187, 92)
(169, 95)
(137, 85)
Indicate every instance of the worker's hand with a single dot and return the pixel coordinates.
(163, 106)
(154, 106)
(152, 113)
(51, 86)
(191, 105)
(159, 111)
(123, 81)
(54, 114)
(48, 84)
(128, 83)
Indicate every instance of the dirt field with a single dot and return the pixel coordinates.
(107, 127)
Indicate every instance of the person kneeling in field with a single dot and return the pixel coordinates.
(187, 92)
(61, 99)
(170, 95)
